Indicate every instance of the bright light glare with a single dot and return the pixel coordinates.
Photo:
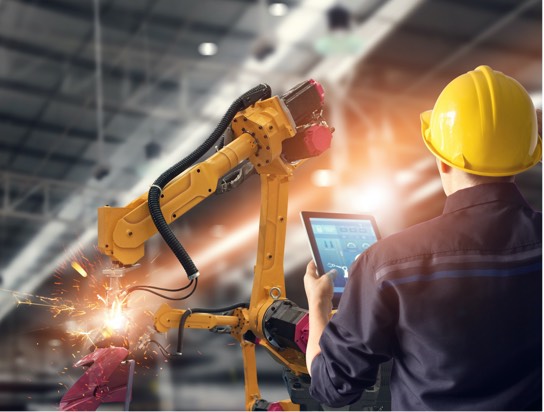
(323, 178)
(374, 197)
(117, 322)
(207, 49)
(116, 319)
(278, 9)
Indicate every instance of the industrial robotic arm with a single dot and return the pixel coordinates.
(273, 135)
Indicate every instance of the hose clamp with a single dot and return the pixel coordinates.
(157, 186)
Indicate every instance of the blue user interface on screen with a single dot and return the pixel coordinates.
(339, 242)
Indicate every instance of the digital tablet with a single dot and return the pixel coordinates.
(336, 239)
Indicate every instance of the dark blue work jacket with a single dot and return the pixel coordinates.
(455, 301)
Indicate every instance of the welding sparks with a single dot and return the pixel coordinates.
(56, 309)
(82, 334)
(56, 305)
(100, 298)
(79, 269)
(90, 317)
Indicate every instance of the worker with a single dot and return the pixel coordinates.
(456, 301)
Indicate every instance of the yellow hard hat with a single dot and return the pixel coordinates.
(484, 123)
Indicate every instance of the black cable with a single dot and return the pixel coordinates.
(244, 101)
(143, 289)
(130, 288)
(163, 350)
(188, 313)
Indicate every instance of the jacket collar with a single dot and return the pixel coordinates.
(484, 193)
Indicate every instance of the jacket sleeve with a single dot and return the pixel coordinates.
(358, 338)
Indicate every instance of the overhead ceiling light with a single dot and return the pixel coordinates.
(278, 9)
(207, 49)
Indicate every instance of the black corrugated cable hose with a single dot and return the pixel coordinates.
(259, 92)
(189, 312)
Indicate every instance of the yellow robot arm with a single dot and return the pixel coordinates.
(123, 231)
(275, 135)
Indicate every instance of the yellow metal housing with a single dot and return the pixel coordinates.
(123, 231)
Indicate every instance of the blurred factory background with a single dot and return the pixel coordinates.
(98, 98)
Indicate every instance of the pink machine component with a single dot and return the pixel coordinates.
(108, 379)
(319, 90)
(317, 139)
(313, 134)
(286, 325)
(311, 142)
(275, 406)
(302, 330)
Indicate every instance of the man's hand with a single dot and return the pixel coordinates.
(319, 291)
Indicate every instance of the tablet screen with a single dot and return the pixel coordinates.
(337, 240)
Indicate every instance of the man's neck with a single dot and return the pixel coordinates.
(462, 180)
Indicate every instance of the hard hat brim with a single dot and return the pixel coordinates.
(425, 118)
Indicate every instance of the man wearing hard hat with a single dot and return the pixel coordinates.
(456, 301)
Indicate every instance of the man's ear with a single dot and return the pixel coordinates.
(444, 168)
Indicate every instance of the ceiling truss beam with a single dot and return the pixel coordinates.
(54, 128)
(34, 203)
